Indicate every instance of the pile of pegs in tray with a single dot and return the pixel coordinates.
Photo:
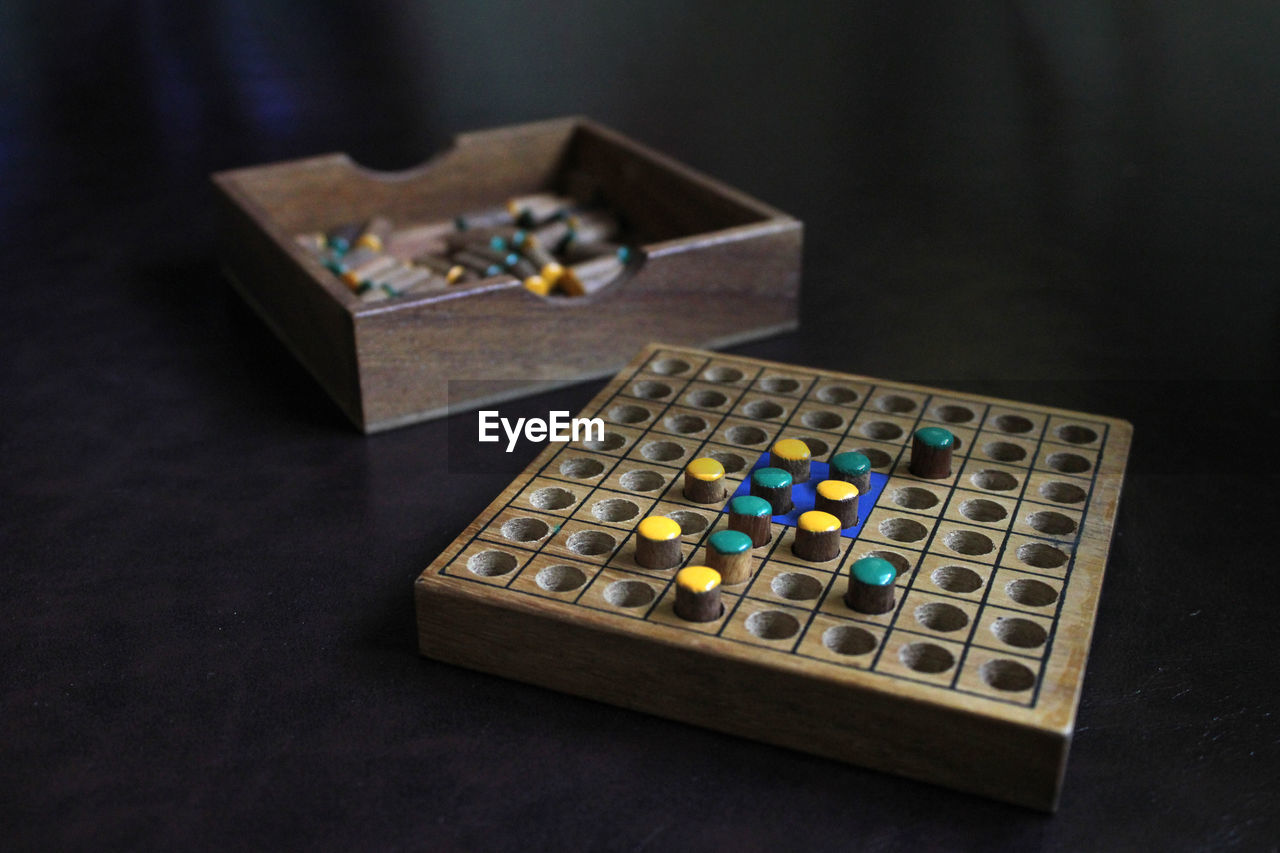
(549, 242)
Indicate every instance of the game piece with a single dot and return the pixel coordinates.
(591, 276)
(817, 536)
(592, 226)
(792, 456)
(931, 453)
(341, 238)
(658, 543)
(871, 588)
(750, 514)
(985, 583)
(698, 594)
(538, 208)
(852, 467)
(374, 234)
(361, 274)
(704, 481)
(488, 218)
(537, 284)
(729, 553)
(838, 498)
(774, 485)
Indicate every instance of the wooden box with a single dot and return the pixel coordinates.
(717, 267)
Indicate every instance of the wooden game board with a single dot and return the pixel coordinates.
(971, 682)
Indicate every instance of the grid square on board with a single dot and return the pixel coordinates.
(835, 392)
(614, 441)
(1022, 591)
(642, 479)
(752, 436)
(919, 497)
(819, 444)
(840, 641)
(902, 470)
(1047, 522)
(878, 426)
(989, 673)
(520, 527)
(993, 478)
(954, 414)
(685, 423)
(664, 612)
(897, 528)
(1067, 462)
(671, 451)
(783, 553)
(694, 521)
(653, 387)
(822, 419)
(615, 510)
(554, 577)
(637, 414)
(937, 615)
(896, 402)
(1077, 432)
(834, 606)
(756, 406)
(794, 586)
(487, 562)
(782, 383)
(773, 626)
(1036, 556)
(622, 593)
(1003, 449)
(882, 455)
(579, 467)
(904, 560)
(1014, 423)
(1012, 633)
(953, 577)
(554, 497)
(1053, 490)
(625, 558)
(728, 374)
(920, 657)
(982, 509)
(585, 542)
(966, 541)
(709, 397)
(679, 365)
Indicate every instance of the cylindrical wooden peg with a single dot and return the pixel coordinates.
(792, 456)
(871, 588)
(931, 453)
(817, 537)
(852, 467)
(729, 553)
(704, 481)
(774, 485)
(753, 516)
(840, 499)
(698, 594)
(658, 543)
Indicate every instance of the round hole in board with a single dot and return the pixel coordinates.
(926, 657)
(1076, 434)
(762, 410)
(524, 529)
(980, 509)
(732, 462)
(1041, 556)
(706, 399)
(900, 563)
(661, 451)
(608, 441)
(552, 497)
(1030, 592)
(940, 616)
(650, 389)
(642, 481)
(902, 530)
(796, 586)
(1006, 675)
(772, 624)
(896, 404)
(1063, 493)
(913, 497)
(968, 542)
(779, 384)
(690, 522)
(838, 395)
(822, 419)
(817, 447)
(953, 414)
(1051, 523)
(993, 480)
(882, 430)
(628, 414)
(1068, 463)
(560, 578)
(956, 579)
(1015, 424)
(489, 564)
(742, 434)
(1022, 633)
(721, 373)
(849, 640)
(628, 593)
(581, 468)
(685, 424)
(877, 458)
(1004, 451)
(591, 543)
(670, 367)
(614, 510)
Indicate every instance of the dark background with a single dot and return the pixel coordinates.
(206, 623)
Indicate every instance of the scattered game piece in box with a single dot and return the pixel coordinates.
(711, 267)
(970, 681)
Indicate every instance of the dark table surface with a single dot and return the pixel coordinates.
(206, 623)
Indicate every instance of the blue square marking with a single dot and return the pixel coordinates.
(803, 495)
